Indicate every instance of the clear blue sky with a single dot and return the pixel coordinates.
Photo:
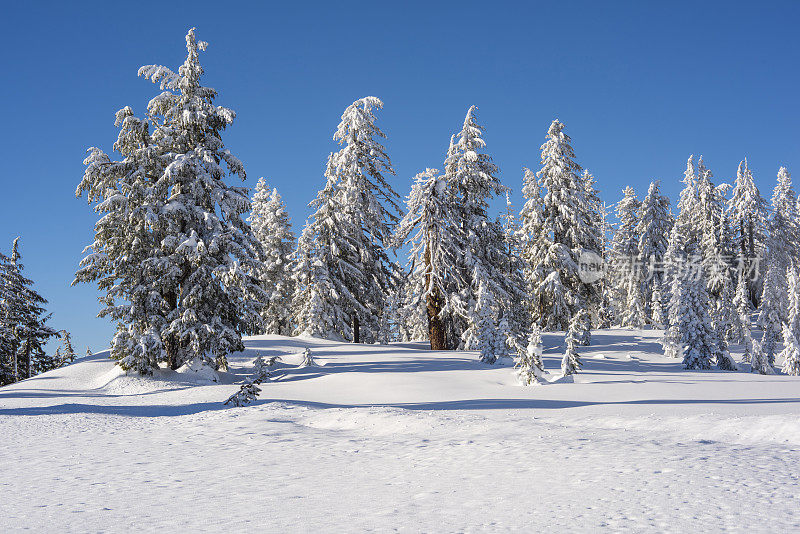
(639, 85)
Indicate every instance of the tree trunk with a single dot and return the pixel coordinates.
(28, 356)
(433, 307)
(171, 345)
(356, 334)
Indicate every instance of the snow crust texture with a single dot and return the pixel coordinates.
(398, 438)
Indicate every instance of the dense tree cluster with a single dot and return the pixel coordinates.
(184, 276)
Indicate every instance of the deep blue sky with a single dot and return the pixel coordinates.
(639, 85)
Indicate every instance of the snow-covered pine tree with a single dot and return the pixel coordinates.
(773, 303)
(790, 352)
(633, 314)
(316, 300)
(712, 225)
(653, 227)
(723, 318)
(308, 358)
(740, 327)
(677, 261)
(747, 212)
(389, 319)
(248, 392)
(481, 333)
(516, 314)
(68, 353)
(172, 253)
(782, 253)
(695, 331)
(563, 220)
(529, 362)
(471, 179)
(7, 351)
(625, 274)
(429, 228)
(24, 321)
(593, 239)
(412, 316)
(759, 361)
(791, 328)
(272, 228)
(571, 362)
(368, 212)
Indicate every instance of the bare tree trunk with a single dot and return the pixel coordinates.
(356, 333)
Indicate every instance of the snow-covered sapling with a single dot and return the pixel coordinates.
(529, 362)
(247, 393)
(308, 359)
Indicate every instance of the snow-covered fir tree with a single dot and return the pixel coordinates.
(482, 332)
(67, 352)
(571, 362)
(695, 331)
(471, 180)
(723, 317)
(23, 323)
(759, 360)
(740, 327)
(308, 358)
(791, 328)
(633, 314)
(272, 228)
(747, 213)
(352, 227)
(558, 226)
(782, 245)
(625, 274)
(774, 302)
(315, 303)
(678, 262)
(429, 227)
(529, 362)
(653, 228)
(172, 254)
(516, 314)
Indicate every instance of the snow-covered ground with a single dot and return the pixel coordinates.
(401, 438)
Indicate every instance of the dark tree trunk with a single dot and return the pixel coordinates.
(433, 306)
(171, 345)
(356, 333)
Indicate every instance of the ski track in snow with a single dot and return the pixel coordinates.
(396, 439)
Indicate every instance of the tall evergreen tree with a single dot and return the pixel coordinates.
(315, 303)
(791, 328)
(782, 252)
(272, 228)
(172, 254)
(563, 221)
(435, 247)
(626, 276)
(23, 323)
(479, 291)
(653, 227)
(747, 212)
(353, 224)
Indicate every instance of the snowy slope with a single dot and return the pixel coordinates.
(400, 438)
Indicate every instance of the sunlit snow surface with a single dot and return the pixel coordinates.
(400, 438)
